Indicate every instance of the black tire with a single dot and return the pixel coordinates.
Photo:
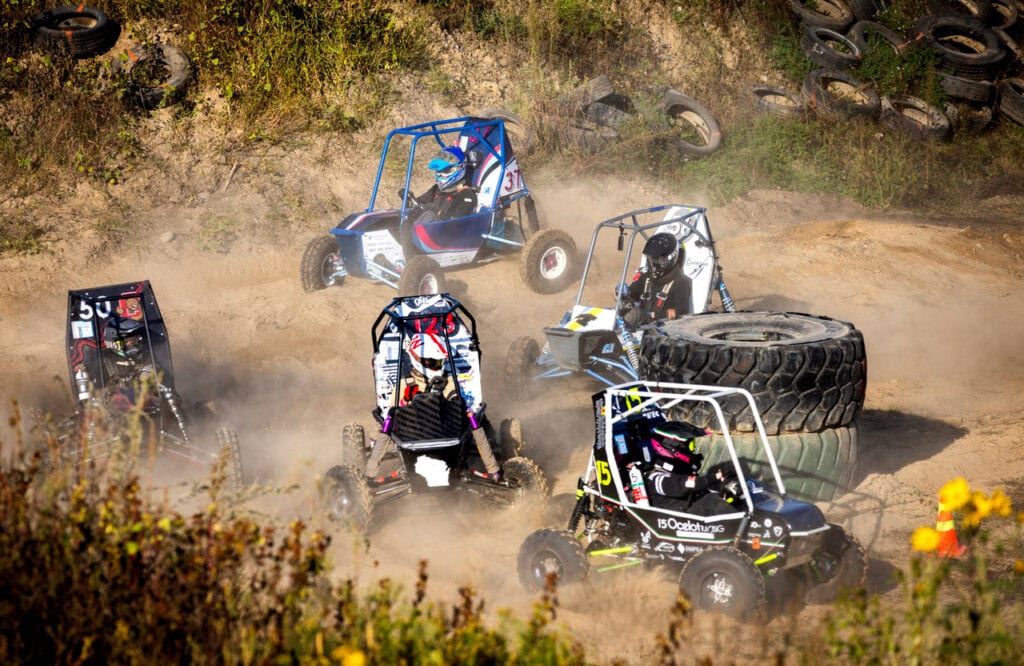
(587, 136)
(422, 275)
(979, 92)
(862, 32)
(345, 497)
(510, 438)
(523, 137)
(519, 366)
(230, 456)
(353, 446)
(963, 42)
(1007, 15)
(815, 466)
(980, 10)
(1011, 99)
(157, 75)
(829, 49)
(831, 14)
(82, 31)
(320, 255)
(699, 133)
(836, 95)
(551, 552)
(865, 10)
(548, 261)
(848, 570)
(594, 90)
(724, 580)
(606, 115)
(967, 118)
(527, 476)
(778, 102)
(914, 117)
(806, 372)
(1010, 43)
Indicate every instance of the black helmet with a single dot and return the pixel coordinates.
(662, 252)
(125, 338)
(674, 440)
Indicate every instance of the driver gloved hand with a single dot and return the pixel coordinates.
(636, 317)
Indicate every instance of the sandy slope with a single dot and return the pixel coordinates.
(941, 307)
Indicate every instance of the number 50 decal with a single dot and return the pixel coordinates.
(604, 473)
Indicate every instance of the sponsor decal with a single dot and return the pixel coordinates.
(609, 348)
(646, 536)
(684, 549)
(777, 531)
(665, 547)
(81, 329)
(689, 528)
(767, 522)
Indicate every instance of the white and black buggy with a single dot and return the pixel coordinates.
(433, 431)
(726, 543)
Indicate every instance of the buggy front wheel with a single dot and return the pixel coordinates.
(726, 581)
(548, 261)
(321, 264)
(353, 446)
(554, 553)
(844, 563)
(422, 275)
(519, 365)
(346, 497)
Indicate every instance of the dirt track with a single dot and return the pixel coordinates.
(941, 307)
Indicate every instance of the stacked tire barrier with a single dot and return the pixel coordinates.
(806, 373)
(975, 43)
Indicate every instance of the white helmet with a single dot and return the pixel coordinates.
(429, 356)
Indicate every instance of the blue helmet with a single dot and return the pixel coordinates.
(449, 167)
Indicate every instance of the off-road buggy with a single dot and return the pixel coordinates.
(122, 378)
(409, 250)
(727, 541)
(595, 340)
(433, 430)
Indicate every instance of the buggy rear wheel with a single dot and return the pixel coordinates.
(726, 581)
(422, 275)
(526, 477)
(346, 497)
(519, 365)
(548, 262)
(353, 446)
(554, 553)
(320, 262)
(229, 459)
(510, 437)
(845, 564)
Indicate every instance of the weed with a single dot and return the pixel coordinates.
(20, 236)
(786, 54)
(217, 233)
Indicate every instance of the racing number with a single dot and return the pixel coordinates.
(513, 180)
(604, 473)
(632, 399)
(86, 312)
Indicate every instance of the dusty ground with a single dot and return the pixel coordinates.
(941, 305)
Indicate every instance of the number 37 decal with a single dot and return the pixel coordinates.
(513, 181)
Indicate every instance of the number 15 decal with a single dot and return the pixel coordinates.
(604, 473)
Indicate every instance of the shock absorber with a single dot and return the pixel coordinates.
(723, 291)
(172, 402)
(629, 344)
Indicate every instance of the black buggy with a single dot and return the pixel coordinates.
(122, 378)
(725, 543)
(433, 430)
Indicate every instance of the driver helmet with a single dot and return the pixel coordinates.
(124, 338)
(429, 356)
(675, 441)
(662, 252)
(449, 167)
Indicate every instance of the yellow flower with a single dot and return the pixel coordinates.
(925, 539)
(955, 493)
(980, 504)
(1018, 567)
(356, 658)
(1001, 505)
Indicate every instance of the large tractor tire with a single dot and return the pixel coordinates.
(807, 373)
(815, 466)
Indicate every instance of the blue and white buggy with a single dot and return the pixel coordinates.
(433, 430)
(727, 540)
(594, 340)
(409, 251)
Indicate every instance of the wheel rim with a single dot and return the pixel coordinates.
(544, 563)
(552, 263)
(692, 127)
(339, 504)
(331, 265)
(76, 23)
(428, 284)
(716, 590)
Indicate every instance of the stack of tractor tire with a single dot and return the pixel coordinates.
(976, 43)
(807, 375)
